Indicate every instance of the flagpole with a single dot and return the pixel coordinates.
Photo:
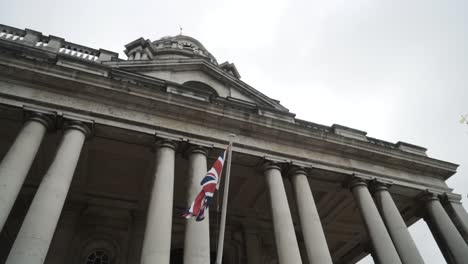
(222, 227)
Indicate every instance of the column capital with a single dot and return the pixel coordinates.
(46, 119)
(377, 185)
(197, 149)
(85, 128)
(166, 143)
(451, 198)
(428, 195)
(357, 181)
(268, 165)
(297, 170)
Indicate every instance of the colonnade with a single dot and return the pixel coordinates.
(389, 236)
(36, 232)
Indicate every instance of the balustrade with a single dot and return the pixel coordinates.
(54, 44)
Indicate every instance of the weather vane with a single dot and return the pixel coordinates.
(180, 28)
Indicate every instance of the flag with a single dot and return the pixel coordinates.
(209, 185)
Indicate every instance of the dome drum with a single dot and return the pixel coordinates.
(168, 48)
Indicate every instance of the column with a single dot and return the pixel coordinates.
(157, 239)
(33, 240)
(285, 237)
(451, 243)
(384, 250)
(457, 213)
(396, 226)
(18, 160)
(314, 237)
(197, 234)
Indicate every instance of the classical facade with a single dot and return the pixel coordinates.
(101, 155)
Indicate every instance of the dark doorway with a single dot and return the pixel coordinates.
(177, 256)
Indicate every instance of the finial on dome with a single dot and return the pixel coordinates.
(180, 28)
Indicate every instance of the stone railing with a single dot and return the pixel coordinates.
(11, 33)
(55, 44)
(79, 51)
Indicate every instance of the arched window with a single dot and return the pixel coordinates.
(99, 251)
(98, 256)
(201, 86)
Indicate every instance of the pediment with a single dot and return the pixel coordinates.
(198, 78)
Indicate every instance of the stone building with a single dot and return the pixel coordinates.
(100, 156)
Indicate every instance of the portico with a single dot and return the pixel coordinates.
(102, 164)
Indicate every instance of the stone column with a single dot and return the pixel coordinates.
(18, 160)
(457, 213)
(384, 250)
(396, 226)
(314, 237)
(197, 234)
(33, 240)
(285, 236)
(451, 243)
(157, 240)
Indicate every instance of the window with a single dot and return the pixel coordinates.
(99, 249)
(98, 256)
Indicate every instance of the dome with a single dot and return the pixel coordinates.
(181, 46)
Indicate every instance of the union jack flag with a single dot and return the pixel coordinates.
(209, 185)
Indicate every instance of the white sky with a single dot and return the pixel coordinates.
(396, 69)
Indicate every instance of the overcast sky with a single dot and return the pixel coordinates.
(396, 69)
